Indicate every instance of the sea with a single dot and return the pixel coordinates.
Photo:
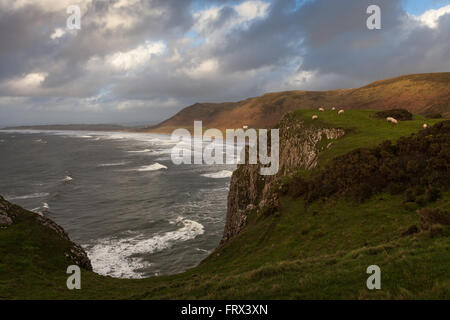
(118, 195)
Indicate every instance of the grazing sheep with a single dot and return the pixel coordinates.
(425, 126)
(321, 109)
(390, 119)
(341, 111)
(314, 117)
(333, 108)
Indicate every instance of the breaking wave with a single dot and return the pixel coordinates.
(117, 257)
(29, 196)
(218, 175)
(152, 167)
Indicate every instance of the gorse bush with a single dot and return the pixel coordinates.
(399, 114)
(417, 165)
(433, 116)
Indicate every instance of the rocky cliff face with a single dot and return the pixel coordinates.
(299, 149)
(10, 214)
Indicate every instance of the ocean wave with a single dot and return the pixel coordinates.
(112, 164)
(218, 175)
(140, 151)
(42, 209)
(28, 196)
(152, 167)
(117, 257)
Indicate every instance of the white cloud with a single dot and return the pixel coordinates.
(430, 18)
(246, 12)
(202, 70)
(128, 60)
(45, 5)
(58, 33)
(124, 3)
(126, 14)
(250, 10)
(27, 84)
(133, 104)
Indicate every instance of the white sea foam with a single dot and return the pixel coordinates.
(42, 209)
(140, 151)
(152, 167)
(29, 196)
(218, 175)
(112, 164)
(117, 257)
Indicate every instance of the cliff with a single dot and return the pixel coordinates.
(11, 214)
(300, 145)
(310, 247)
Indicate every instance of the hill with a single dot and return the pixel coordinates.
(297, 247)
(418, 93)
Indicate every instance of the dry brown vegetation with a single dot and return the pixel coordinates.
(420, 94)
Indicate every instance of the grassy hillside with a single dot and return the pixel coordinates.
(419, 94)
(320, 250)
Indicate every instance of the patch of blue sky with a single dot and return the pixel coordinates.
(417, 7)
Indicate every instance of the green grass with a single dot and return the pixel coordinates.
(321, 252)
(362, 129)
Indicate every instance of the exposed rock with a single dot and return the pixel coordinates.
(251, 191)
(9, 214)
(5, 220)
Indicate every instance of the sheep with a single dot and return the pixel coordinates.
(333, 108)
(314, 117)
(341, 111)
(390, 119)
(245, 127)
(425, 126)
(321, 109)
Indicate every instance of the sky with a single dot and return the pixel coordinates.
(140, 61)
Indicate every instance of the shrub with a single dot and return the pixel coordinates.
(418, 164)
(432, 216)
(398, 114)
(433, 115)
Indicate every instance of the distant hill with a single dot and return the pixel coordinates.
(418, 93)
(88, 127)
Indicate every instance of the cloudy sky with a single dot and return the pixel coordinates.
(143, 60)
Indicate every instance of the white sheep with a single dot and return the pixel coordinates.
(341, 111)
(314, 117)
(390, 119)
(321, 109)
(245, 127)
(425, 126)
(333, 108)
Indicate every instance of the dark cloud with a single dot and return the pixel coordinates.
(147, 58)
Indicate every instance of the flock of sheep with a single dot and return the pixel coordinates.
(341, 111)
(322, 109)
